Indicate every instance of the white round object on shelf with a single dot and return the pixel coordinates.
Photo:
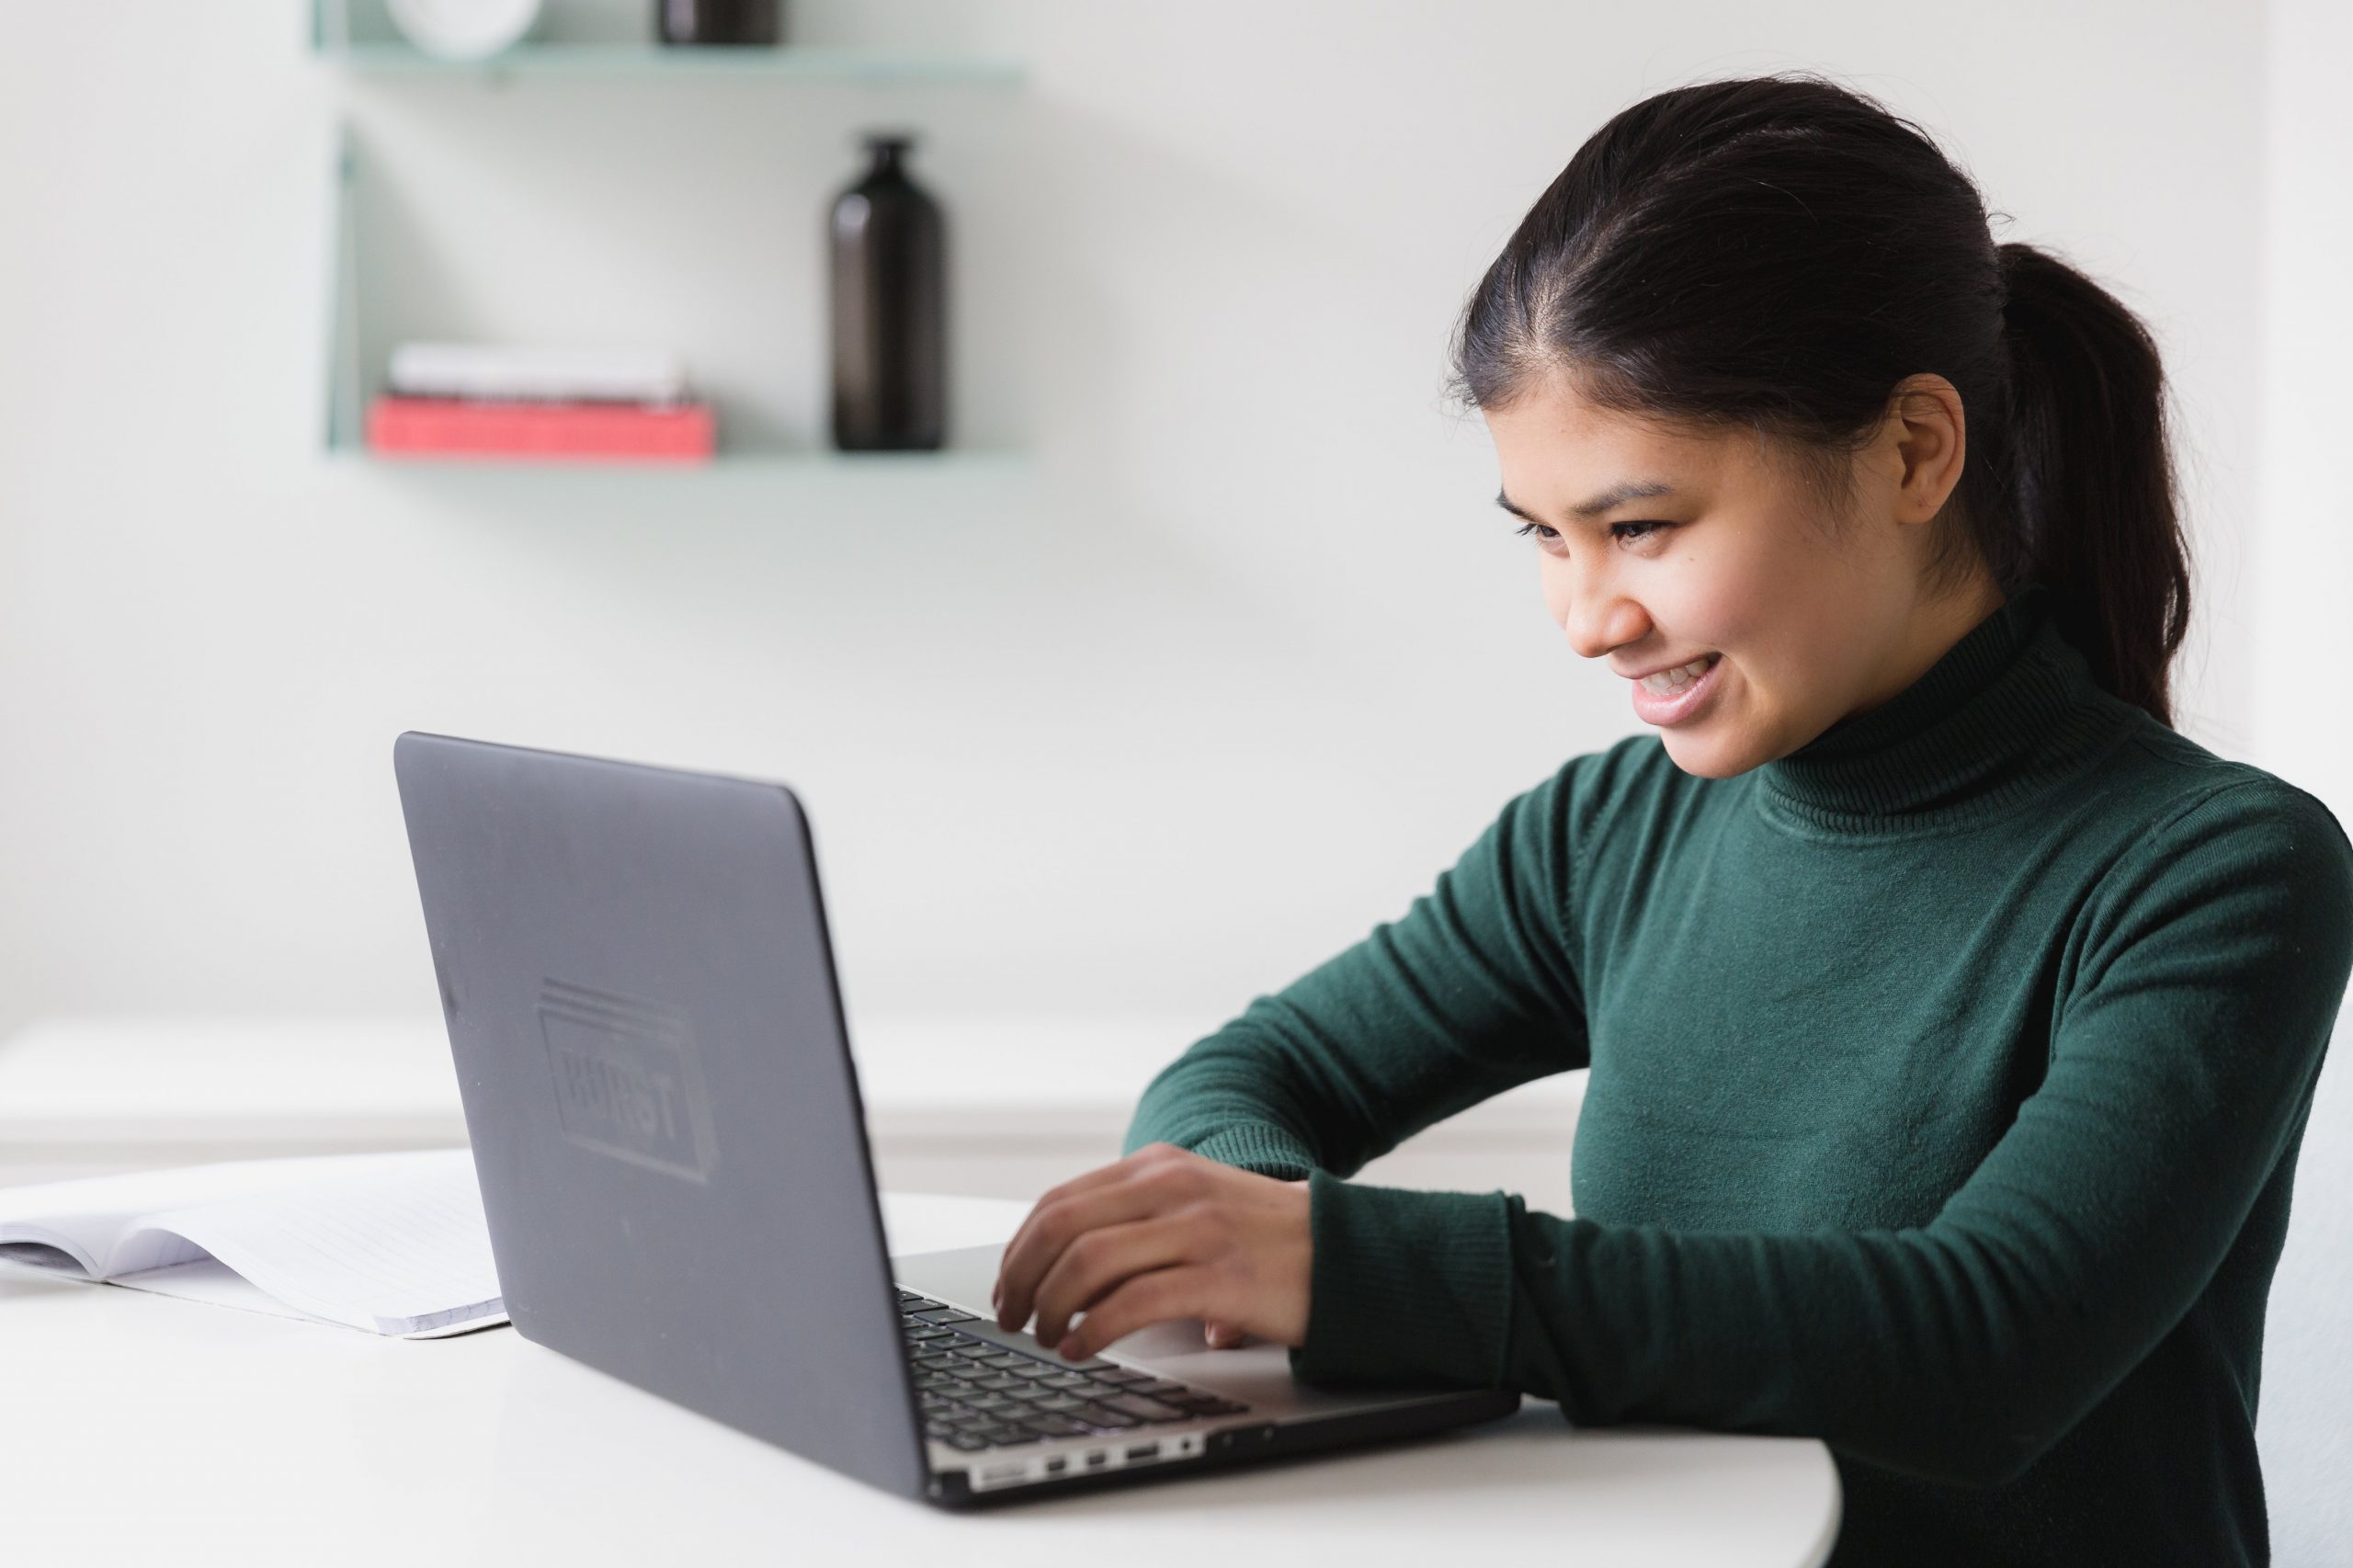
(463, 29)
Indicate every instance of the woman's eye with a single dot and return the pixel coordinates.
(1545, 534)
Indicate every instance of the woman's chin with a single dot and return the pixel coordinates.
(1707, 755)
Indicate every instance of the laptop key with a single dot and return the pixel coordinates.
(1158, 1386)
(936, 1312)
(1053, 1424)
(1099, 1415)
(1148, 1409)
(966, 1440)
(1008, 1436)
(1059, 1402)
(1123, 1375)
(910, 1301)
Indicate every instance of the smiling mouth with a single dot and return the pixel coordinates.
(1666, 683)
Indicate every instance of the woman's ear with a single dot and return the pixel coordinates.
(1928, 429)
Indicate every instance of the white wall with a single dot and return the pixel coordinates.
(1223, 677)
(1244, 658)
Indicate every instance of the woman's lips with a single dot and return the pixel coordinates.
(1682, 705)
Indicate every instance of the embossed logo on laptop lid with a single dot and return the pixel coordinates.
(627, 1079)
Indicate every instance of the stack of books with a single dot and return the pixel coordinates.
(495, 401)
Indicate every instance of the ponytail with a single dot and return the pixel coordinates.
(1779, 253)
(2099, 519)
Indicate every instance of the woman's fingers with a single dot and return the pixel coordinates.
(1076, 1185)
(1145, 1187)
(1076, 1188)
(1060, 1223)
(1162, 1233)
(1096, 1263)
(1142, 1301)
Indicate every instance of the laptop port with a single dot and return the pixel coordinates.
(1097, 1457)
(1055, 1464)
(1144, 1450)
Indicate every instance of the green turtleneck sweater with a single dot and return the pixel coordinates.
(1948, 1076)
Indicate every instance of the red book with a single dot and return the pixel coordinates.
(565, 432)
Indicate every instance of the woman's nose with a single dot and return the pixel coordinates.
(1596, 623)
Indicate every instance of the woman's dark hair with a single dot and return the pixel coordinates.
(1777, 253)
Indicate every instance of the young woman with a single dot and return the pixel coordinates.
(1952, 1021)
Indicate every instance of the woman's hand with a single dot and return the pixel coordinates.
(1163, 1234)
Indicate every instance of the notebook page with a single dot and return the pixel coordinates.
(91, 1216)
(215, 1284)
(393, 1243)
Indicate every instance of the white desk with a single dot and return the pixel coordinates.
(139, 1428)
(133, 1427)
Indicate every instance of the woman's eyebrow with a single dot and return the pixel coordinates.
(1616, 495)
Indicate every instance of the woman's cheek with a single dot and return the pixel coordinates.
(1555, 583)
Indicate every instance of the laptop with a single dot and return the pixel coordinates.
(639, 991)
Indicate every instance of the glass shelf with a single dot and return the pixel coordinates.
(650, 60)
(606, 42)
(969, 463)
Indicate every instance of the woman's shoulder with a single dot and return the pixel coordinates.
(2220, 859)
(2175, 786)
(2202, 836)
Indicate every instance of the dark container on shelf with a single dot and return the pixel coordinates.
(886, 244)
(716, 22)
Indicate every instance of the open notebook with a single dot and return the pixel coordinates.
(393, 1243)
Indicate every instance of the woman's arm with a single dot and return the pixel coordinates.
(1474, 990)
(2181, 1069)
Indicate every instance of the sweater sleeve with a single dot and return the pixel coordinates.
(1474, 990)
(2211, 966)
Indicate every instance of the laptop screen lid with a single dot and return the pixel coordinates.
(640, 993)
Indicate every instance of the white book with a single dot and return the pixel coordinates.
(506, 371)
(393, 1243)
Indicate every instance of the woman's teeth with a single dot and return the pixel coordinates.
(1668, 682)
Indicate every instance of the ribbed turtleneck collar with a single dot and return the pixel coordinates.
(2008, 710)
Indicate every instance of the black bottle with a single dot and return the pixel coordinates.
(715, 21)
(887, 244)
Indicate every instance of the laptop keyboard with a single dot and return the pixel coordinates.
(980, 1393)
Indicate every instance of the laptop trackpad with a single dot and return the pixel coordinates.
(963, 1276)
(1258, 1374)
